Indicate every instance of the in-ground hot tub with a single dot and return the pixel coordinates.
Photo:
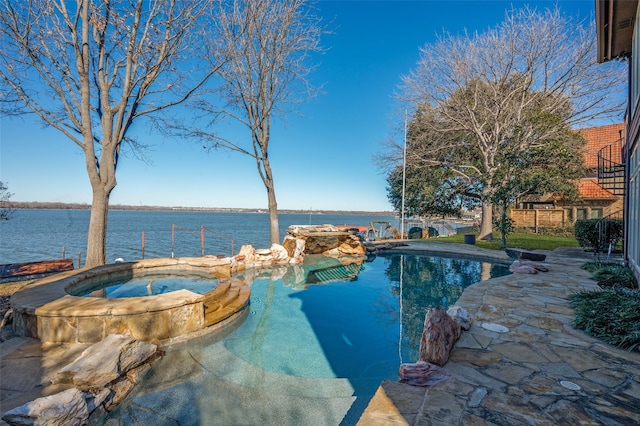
(48, 311)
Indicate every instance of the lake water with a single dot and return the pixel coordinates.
(33, 235)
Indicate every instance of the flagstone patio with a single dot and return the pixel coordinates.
(541, 371)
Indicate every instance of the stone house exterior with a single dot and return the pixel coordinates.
(618, 36)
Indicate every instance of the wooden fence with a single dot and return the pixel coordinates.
(540, 218)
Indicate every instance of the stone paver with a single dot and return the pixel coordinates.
(541, 372)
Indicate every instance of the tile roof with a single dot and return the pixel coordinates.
(599, 137)
(590, 189)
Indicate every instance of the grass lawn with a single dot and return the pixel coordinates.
(523, 241)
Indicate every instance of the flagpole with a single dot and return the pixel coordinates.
(401, 309)
(404, 175)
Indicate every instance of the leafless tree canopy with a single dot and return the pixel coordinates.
(484, 99)
(91, 68)
(270, 43)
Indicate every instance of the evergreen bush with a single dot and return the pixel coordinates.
(591, 238)
(612, 314)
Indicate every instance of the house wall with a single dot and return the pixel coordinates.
(632, 237)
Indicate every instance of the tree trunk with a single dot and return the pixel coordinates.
(503, 222)
(486, 224)
(274, 227)
(97, 236)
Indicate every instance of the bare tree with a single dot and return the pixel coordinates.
(6, 212)
(484, 100)
(271, 43)
(90, 69)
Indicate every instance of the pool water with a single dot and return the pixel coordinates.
(305, 356)
(147, 285)
(358, 328)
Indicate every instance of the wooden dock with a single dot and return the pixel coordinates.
(10, 272)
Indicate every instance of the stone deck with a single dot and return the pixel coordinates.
(541, 372)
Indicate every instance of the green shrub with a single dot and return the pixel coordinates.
(591, 238)
(617, 275)
(595, 266)
(609, 274)
(566, 231)
(612, 315)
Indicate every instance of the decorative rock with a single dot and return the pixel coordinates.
(438, 337)
(136, 374)
(263, 252)
(105, 361)
(289, 244)
(519, 267)
(519, 254)
(328, 240)
(348, 248)
(65, 408)
(461, 316)
(120, 390)
(298, 254)
(248, 252)
(96, 400)
(279, 253)
(422, 374)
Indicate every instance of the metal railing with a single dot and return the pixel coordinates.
(610, 233)
(201, 232)
(610, 172)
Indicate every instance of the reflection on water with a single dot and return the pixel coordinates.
(343, 328)
(301, 342)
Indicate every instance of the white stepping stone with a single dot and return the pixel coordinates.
(570, 385)
(495, 327)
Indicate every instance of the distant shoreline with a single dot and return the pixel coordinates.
(79, 206)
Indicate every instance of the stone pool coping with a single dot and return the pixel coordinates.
(45, 310)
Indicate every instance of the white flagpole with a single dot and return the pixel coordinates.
(401, 309)
(404, 174)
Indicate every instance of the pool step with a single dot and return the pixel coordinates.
(230, 296)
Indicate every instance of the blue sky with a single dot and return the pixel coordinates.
(322, 157)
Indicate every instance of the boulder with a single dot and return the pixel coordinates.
(519, 267)
(438, 336)
(105, 361)
(279, 253)
(67, 408)
(519, 254)
(461, 316)
(290, 244)
(422, 374)
(247, 252)
(328, 240)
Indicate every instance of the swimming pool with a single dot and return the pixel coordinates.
(305, 356)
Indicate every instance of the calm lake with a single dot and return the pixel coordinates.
(41, 234)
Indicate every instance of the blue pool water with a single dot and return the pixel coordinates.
(365, 326)
(311, 354)
(147, 285)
